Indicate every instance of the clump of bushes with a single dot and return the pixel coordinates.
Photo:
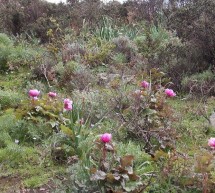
(200, 84)
(9, 99)
(145, 114)
(125, 47)
(73, 75)
(97, 51)
(6, 45)
(15, 55)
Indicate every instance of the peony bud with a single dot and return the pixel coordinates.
(170, 92)
(68, 104)
(144, 84)
(52, 94)
(106, 137)
(211, 142)
(34, 93)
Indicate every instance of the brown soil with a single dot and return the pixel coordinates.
(14, 185)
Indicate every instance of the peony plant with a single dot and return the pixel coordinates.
(145, 113)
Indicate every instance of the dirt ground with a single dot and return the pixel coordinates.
(14, 185)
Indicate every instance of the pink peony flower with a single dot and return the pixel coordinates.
(144, 84)
(34, 93)
(211, 142)
(106, 137)
(68, 104)
(170, 92)
(52, 94)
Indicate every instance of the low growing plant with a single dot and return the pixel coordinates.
(43, 117)
(113, 173)
(146, 114)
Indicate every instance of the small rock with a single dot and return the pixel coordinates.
(212, 119)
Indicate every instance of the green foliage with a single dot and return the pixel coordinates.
(36, 181)
(13, 56)
(131, 31)
(161, 48)
(16, 155)
(5, 48)
(153, 41)
(74, 75)
(126, 47)
(97, 51)
(201, 84)
(5, 40)
(132, 148)
(44, 109)
(145, 114)
(95, 103)
(119, 58)
(107, 30)
(9, 99)
(113, 173)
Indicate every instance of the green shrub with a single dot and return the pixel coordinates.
(27, 132)
(9, 99)
(107, 30)
(98, 51)
(145, 113)
(153, 42)
(6, 46)
(15, 155)
(95, 103)
(15, 55)
(74, 75)
(201, 84)
(126, 47)
(7, 121)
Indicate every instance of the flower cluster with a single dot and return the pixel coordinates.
(34, 93)
(144, 84)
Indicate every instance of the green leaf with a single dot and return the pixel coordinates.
(66, 130)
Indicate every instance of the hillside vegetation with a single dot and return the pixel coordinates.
(107, 98)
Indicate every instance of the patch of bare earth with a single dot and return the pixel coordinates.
(14, 185)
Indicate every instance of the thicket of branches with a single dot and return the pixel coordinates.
(191, 20)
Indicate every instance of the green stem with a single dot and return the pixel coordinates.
(72, 126)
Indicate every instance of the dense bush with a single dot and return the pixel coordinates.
(201, 84)
(9, 99)
(145, 113)
(5, 48)
(194, 24)
(103, 57)
(73, 75)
